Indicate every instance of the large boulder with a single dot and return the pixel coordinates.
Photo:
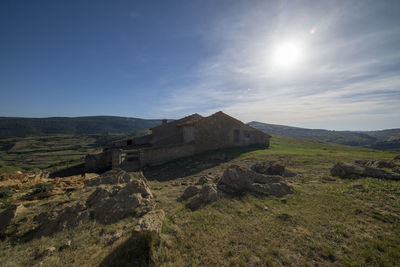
(207, 195)
(269, 168)
(238, 179)
(205, 179)
(189, 192)
(347, 170)
(150, 224)
(376, 163)
(7, 216)
(111, 204)
(66, 218)
(353, 170)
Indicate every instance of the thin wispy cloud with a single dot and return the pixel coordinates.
(348, 81)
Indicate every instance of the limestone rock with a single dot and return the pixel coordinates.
(238, 179)
(207, 195)
(347, 170)
(8, 215)
(111, 177)
(204, 180)
(353, 170)
(289, 173)
(65, 246)
(328, 179)
(269, 168)
(376, 163)
(114, 238)
(111, 204)
(150, 223)
(54, 221)
(275, 189)
(189, 192)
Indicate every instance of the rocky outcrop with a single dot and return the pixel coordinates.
(7, 216)
(118, 195)
(376, 163)
(205, 179)
(268, 168)
(189, 192)
(272, 168)
(354, 170)
(111, 204)
(237, 179)
(150, 224)
(54, 221)
(207, 195)
(111, 178)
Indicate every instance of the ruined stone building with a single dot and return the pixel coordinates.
(176, 139)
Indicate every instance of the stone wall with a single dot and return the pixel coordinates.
(171, 133)
(159, 155)
(99, 161)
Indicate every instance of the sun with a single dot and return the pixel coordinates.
(288, 54)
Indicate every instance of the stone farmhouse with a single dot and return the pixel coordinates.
(176, 139)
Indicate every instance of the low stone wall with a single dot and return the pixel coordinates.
(98, 161)
(159, 155)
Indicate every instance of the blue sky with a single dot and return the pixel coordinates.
(168, 59)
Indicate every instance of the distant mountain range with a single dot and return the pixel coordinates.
(384, 139)
(21, 127)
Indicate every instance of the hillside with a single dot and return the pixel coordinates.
(21, 127)
(385, 139)
(326, 221)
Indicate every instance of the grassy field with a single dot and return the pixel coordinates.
(50, 152)
(347, 222)
(324, 223)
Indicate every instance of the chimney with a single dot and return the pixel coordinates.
(164, 121)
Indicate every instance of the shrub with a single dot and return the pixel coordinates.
(41, 188)
(5, 193)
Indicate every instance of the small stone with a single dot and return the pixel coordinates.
(65, 246)
(328, 179)
(357, 185)
(204, 180)
(114, 238)
(266, 208)
(50, 249)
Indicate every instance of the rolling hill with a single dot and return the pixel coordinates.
(384, 139)
(21, 127)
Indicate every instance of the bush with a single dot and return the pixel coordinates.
(5, 192)
(41, 188)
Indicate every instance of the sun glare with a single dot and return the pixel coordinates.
(287, 54)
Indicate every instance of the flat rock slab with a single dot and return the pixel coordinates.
(354, 170)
